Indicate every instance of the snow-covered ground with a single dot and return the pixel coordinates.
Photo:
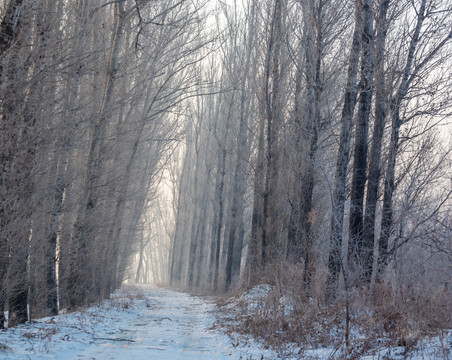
(253, 303)
(151, 323)
(148, 322)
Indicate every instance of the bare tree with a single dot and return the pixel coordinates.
(335, 263)
(360, 254)
(373, 177)
(421, 55)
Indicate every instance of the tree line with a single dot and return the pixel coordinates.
(324, 157)
(90, 111)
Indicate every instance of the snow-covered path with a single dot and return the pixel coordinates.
(172, 325)
(158, 324)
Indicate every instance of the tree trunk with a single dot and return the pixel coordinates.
(389, 187)
(374, 174)
(140, 260)
(236, 230)
(335, 263)
(360, 255)
(314, 59)
(294, 236)
(254, 258)
(271, 216)
(64, 146)
(220, 184)
(49, 17)
(20, 106)
(78, 283)
(201, 235)
(8, 29)
(8, 33)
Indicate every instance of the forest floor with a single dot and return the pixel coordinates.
(299, 329)
(148, 322)
(144, 322)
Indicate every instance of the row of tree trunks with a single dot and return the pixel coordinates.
(86, 124)
(261, 194)
(235, 239)
(367, 167)
(8, 35)
(83, 232)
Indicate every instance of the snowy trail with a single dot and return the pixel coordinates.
(162, 324)
(173, 326)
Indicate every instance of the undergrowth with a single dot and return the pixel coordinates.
(283, 318)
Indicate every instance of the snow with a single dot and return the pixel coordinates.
(151, 323)
(148, 322)
(254, 298)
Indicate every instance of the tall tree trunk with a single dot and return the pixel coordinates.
(8, 28)
(8, 32)
(140, 259)
(195, 224)
(360, 255)
(20, 108)
(273, 113)
(77, 283)
(374, 174)
(217, 203)
(234, 240)
(294, 237)
(389, 187)
(49, 16)
(221, 184)
(198, 196)
(236, 230)
(254, 258)
(201, 235)
(178, 243)
(335, 262)
(64, 146)
(313, 61)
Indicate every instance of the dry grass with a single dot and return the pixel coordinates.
(125, 298)
(4, 348)
(382, 318)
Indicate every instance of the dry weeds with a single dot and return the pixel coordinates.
(283, 318)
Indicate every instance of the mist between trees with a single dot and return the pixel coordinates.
(211, 145)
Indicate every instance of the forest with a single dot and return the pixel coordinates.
(212, 146)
